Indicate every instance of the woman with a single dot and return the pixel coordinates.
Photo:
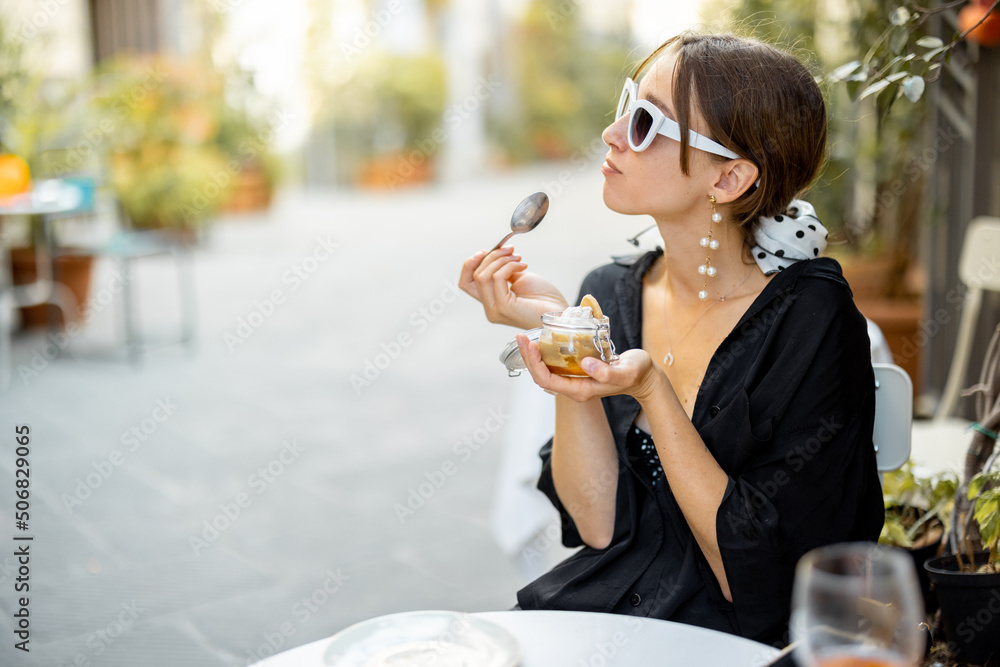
(735, 432)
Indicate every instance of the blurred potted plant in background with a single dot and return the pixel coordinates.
(897, 60)
(28, 113)
(183, 142)
(15, 85)
(165, 165)
(387, 119)
(246, 128)
(567, 84)
(873, 187)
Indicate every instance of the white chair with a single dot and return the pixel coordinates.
(893, 416)
(978, 269)
(941, 443)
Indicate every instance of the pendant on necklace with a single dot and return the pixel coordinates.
(669, 359)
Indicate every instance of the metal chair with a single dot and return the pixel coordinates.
(893, 416)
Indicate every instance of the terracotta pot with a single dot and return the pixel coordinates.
(867, 276)
(72, 270)
(252, 191)
(397, 169)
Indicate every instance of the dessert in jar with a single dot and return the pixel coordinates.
(567, 338)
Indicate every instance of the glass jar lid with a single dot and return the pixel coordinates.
(557, 319)
(511, 355)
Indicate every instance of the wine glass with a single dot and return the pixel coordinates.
(857, 605)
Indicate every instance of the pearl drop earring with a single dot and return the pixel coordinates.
(710, 243)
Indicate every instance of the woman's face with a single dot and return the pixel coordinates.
(651, 182)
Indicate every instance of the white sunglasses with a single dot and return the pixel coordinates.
(646, 121)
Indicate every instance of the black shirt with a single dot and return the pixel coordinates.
(786, 407)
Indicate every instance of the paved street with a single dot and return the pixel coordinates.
(328, 452)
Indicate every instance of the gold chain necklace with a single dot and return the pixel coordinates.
(669, 358)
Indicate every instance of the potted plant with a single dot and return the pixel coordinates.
(246, 142)
(165, 165)
(897, 59)
(246, 128)
(25, 115)
(917, 516)
(388, 119)
(967, 582)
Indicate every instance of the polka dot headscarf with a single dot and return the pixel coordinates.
(789, 238)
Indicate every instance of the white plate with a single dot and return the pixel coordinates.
(432, 638)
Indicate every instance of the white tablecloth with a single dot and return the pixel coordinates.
(575, 639)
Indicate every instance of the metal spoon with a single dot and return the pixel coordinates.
(527, 215)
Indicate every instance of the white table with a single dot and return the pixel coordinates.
(48, 198)
(579, 639)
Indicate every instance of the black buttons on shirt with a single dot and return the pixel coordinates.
(635, 600)
(714, 410)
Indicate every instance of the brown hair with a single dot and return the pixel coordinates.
(757, 101)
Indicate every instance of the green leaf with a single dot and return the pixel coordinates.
(929, 42)
(899, 39)
(976, 485)
(843, 71)
(933, 53)
(893, 533)
(943, 489)
(884, 103)
(913, 88)
(874, 88)
(899, 16)
(987, 514)
(860, 75)
(892, 78)
(852, 89)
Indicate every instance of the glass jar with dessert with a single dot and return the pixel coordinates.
(567, 338)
